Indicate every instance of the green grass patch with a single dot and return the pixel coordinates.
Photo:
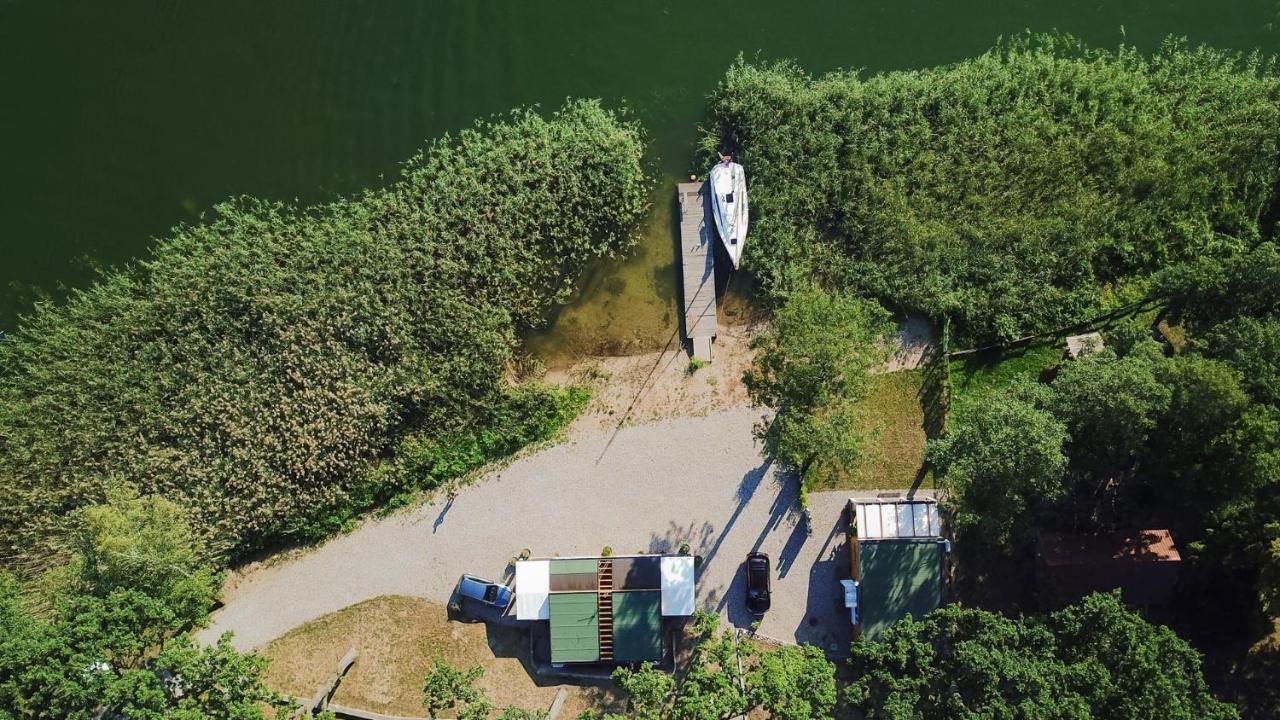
(1176, 335)
(893, 412)
(975, 376)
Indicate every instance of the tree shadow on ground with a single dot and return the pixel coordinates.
(934, 391)
(985, 578)
(696, 535)
(795, 541)
(826, 622)
(745, 491)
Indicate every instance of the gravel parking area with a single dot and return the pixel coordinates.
(650, 488)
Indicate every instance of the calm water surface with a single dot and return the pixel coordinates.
(119, 119)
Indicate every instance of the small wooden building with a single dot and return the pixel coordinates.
(1143, 565)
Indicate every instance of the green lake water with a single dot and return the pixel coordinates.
(119, 119)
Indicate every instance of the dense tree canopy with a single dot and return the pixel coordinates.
(1093, 660)
(1187, 440)
(1251, 346)
(1212, 289)
(1021, 190)
(1003, 463)
(261, 366)
(1139, 439)
(1110, 406)
(112, 641)
(728, 676)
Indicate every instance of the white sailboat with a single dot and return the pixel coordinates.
(729, 205)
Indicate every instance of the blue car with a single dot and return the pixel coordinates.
(485, 591)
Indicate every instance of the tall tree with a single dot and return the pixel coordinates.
(793, 683)
(1110, 406)
(727, 677)
(1002, 463)
(813, 365)
(111, 643)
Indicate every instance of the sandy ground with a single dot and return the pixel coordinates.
(638, 389)
(915, 335)
(646, 488)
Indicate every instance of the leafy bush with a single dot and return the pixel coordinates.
(1007, 189)
(1251, 346)
(258, 364)
(1209, 290)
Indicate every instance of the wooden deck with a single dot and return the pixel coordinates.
(697, 262)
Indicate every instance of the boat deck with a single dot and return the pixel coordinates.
(697, 262)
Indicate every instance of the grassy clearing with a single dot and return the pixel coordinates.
(974, 376)
(892, 410)
(399, 638)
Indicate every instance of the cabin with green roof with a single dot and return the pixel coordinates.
(605, 610)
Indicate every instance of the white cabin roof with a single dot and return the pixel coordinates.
(677, 585)
(533, 590)
(897, 519)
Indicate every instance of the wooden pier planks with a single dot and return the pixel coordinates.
(697, 262)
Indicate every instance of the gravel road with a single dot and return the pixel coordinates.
(649, 488)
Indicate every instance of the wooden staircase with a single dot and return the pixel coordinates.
(604, 608)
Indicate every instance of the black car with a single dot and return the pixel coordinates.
(757, 582)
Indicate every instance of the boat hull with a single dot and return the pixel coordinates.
(728, 184)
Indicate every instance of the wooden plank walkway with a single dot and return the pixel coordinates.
(697, 261)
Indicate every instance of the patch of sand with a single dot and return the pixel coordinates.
(915, 336)
(638, 389)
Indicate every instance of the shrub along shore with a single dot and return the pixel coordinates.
(276, 370)
(1019, 191)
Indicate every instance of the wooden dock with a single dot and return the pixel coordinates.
(697, 262)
